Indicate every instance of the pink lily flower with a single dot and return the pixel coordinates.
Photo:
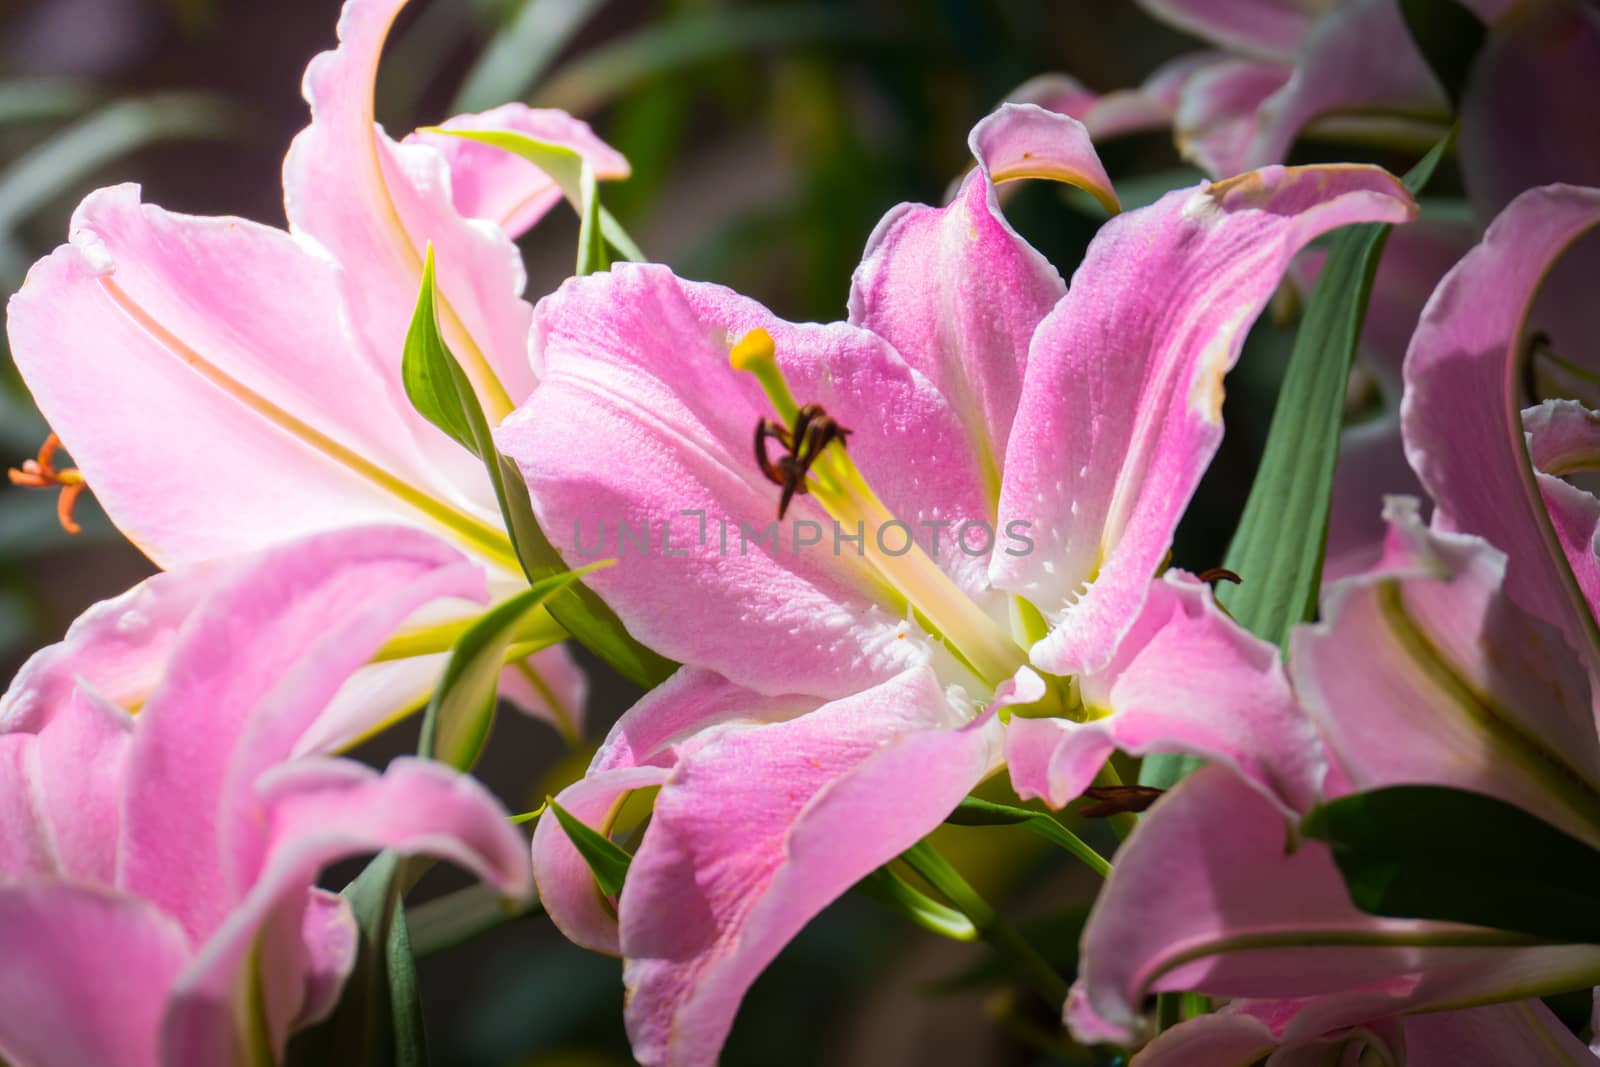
(1280, 69)
(225, 386)
(841, 696)
(1478, 659)
(158, 860)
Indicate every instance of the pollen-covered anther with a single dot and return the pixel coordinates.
(42, 473)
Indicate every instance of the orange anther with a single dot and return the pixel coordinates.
(41, 473)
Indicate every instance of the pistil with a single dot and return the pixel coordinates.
(844, 493)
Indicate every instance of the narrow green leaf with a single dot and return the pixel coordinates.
(1449, 36)
(608, 860)
(1429, 852)
(591, 238)
(461, 712)
(894, 893)
(441, 391)
(379, 1017)
(566, 168)
(1279, 545)
(975, 811)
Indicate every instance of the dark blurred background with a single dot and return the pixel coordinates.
(766, 140)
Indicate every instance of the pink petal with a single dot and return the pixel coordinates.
(376, 205)
(760, 829)
(200, 374)
(330, 940)
(1523, 1032)
(1122, 401)
(1186, 678)
(256, 666)
(507, 190)
(1461, 415)
(959, 293)
(1207, 896)
(1358, 57)
(1447, 666)
(1528, 103)
(1222, 1039)
(316, 812)
(639, 752)
(640, 419)
(1121, 111)
(84, 976)
(1267, 28)
(1219, 116)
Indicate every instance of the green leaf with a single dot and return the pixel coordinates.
(894, 893)
(567, 168)
(1279, 545)
(1449, 36)
(608, 860)
(591, 239)
(441, 391)
(975, 811)
(379, 1017)
(1428, 852)
(460, 714)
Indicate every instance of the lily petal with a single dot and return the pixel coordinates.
(238, 327)
(1186, 678)
(1358, 57)
(1207, 896)
(730, 870)
(1531, 91)
(1269, 29)
(1121, 111)
(1218, 116)
(639, 752)
(84, 976)
(1122, 402)
(959, 293)
(1436, 637)
(317, 812)
(641, 421)
(376, 205)
(1523, 1032)
(1462, 371)
(503, 188)
(227, 709)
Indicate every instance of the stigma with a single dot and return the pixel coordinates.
(42, 473)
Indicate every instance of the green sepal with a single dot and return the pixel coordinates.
(607, 860)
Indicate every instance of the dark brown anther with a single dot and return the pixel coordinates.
(813, 431)
(1219, 574)
(1118, 800)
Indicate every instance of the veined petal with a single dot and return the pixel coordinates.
(1121, 405)
(1358, 57)
(376, 205)
(256, 666)
(637, 445)
(316, 812)
(1186, 678)
(1523, 1032)
(1530, 95)
(502, 187)
(1270, 29)
(959, 293)
(1218, 116)
(1207, 896)
(84, 976)
(638, 753)
(1221, 1039)
(761, 828)
(236, 327)
(1462, 372)
(1464, 687)
(1121, 111)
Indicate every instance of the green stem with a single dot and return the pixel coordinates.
(1000, 935)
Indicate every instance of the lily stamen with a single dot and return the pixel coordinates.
(818, 464)
(41, 473)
